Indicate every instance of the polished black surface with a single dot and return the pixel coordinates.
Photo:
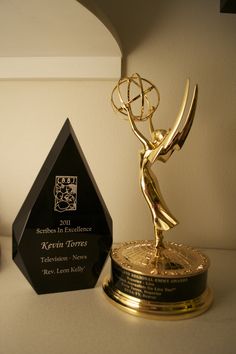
(157, 288)
(63, 232)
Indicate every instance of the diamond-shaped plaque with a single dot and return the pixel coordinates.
(63, 232)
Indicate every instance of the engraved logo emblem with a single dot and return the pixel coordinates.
(65, 192)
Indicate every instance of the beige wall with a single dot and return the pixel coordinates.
(192, 39)
(179, 39)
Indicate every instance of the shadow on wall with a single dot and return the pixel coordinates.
(129, 21)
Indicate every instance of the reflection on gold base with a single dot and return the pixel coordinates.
(158, 310)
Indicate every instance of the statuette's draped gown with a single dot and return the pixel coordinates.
(162, 217)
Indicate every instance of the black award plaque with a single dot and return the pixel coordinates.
(63, 232)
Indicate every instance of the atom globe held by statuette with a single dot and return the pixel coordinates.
(156, 278)
(136, 94)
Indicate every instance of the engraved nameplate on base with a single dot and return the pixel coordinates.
(63, 232)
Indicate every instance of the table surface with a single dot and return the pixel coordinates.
(85, 322)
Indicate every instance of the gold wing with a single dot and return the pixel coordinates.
(176, 137)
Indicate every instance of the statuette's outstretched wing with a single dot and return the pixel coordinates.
(177, 135)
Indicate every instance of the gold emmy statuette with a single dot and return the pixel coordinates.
(156, 278)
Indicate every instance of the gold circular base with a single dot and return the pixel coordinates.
(158, 310)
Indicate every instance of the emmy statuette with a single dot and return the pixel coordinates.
(156, 278)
